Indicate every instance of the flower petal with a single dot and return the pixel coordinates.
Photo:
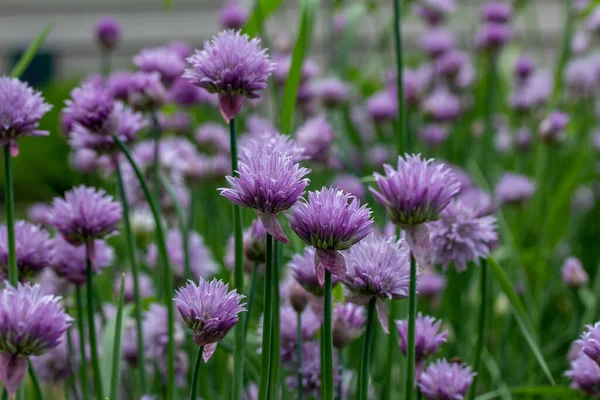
(272, 226)
(208, 351)
(417, 237)
(12, 372)
(382, 315)
(330, 260)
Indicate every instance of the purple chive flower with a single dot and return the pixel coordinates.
(430, 283)
(86, 214)
(316, 137)
(32, 324)
(233, 15)
(590, 342)
(414, 193)
(348, 321)
(434, 12)
(496, 12)
(88, 162)
(377, 267)
(428, 339)
(311, 371)
(350, 184)
(163, 60)
(69, 261)
(268, 182)
(524, 67)
(437, 41)
(523, 139)
(552, 128)
(210, 310)
(289, 323)
(185, 94)
(303, 267)
(585, 375)
(39, 214)
(156, 335)
(58, 364)
(581, 77)
(146, 287)
(128, 124)
(434, 134)
(271, 141)
(573, 273)
(21, 108)
(118, 85)
(233, 66)
(514, 189)
(202, 263)
(451, 63)
(461, 235)
(331, 220)
(446, 381)
(146, 91)
(479, 201)
(383, 106)
(213, 138)
(442, 105)
(108, 32)
(333, 91)
(91, 106)
(33, 248)
(492, 36)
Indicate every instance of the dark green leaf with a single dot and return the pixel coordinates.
(109, 343)
(262, 10)
(31, 51)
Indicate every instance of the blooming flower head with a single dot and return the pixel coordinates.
(461, 235)
(32, 324)
(443, 380)
(590, 342)
(156, 336)
(69, 261)
(127, 124)
(377, 267)
(350, 184)
(348, 321)
(573, 273)
(108, 32)
(303, 267)
(85, 214)
(202, 263)
(21, 108)
(493, 35)
(233, 15)
(233, 66)
(118, 84)
(585, 375)
(33, 249)
(210, 310)
(495, 11)
(185, 94)
(514, 189)
(383, 106)
(163, 60)
(39, 214)
(146, 91)
(437, 41)
(434, 134)
(316, 137)
(268, 182)
(430, 283)
(331, 220)
(91, 106)
(553, 126)
(310, 325)
(524, 66)
(271, 141)
(442, 105)
(434, 11)
(333, 91)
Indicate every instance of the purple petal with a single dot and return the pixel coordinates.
(208, 351)
(230, 106)
(382, 315)
(12, 372)
(330, 260)
(417, 237)
(272, 226)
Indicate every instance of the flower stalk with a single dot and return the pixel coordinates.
(412, 316)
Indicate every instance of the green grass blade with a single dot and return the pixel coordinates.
(263, 10)
(307, 22)
(31, 51)
(116, 354)
(110, 345)
(520, 314)
(554, 392)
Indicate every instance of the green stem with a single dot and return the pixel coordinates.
(275, 325)
(13, 272)
(105, 63)
(116, 356)
(412, 315)
(92, 327)
(250, 299)
(194, 391)
(482, 326)
(327, 373)
(363, 378)
(167, 273)
(299, 354)
(156, 156)
(403, 139)
(131, 253)
(36, 382)
(238, 276)
(71, 379)
(265, 370)
(563, 55)
(391, 352)
(83, 362)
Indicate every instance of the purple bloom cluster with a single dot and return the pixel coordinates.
(271, 141)
(513, 189)
(21, 109)
(163, 60)
(69, 261)
(108, 32)
(303, 267)
(348, 321)
(331, 220)
(268, 182)
(91, 106)
(573, 273)
(233, 66)
(33, 249)
(316, 137)
(233, 15)
(310, 325)
(210, 310)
